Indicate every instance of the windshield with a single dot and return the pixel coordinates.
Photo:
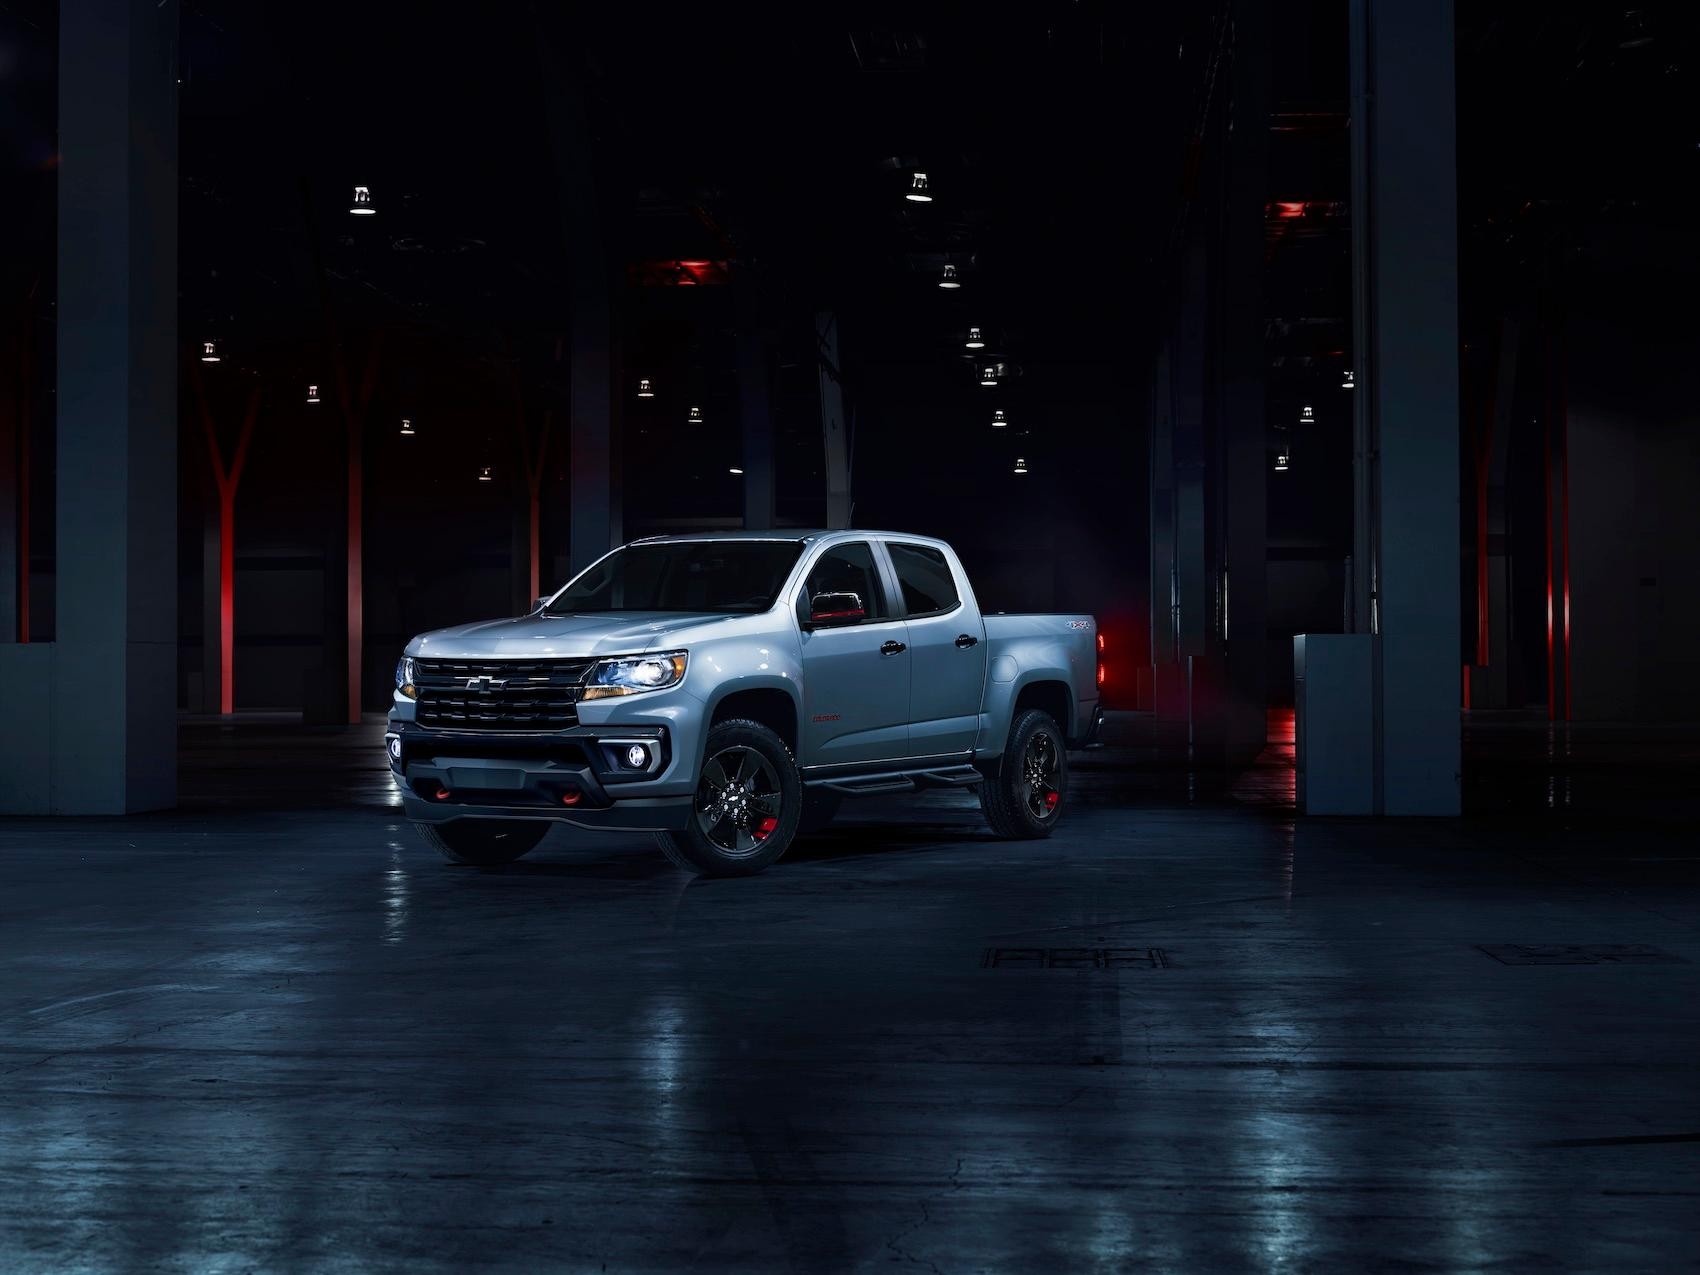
(732, 577)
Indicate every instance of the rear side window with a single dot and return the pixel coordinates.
(848, 569)
(925, 576)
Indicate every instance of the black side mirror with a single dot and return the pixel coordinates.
(830, 610)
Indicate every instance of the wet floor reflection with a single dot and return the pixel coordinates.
(296, 1040)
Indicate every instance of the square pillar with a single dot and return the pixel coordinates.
(105, 715)
(1405, 303)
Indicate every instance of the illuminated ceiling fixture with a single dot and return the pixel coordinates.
(362, 205)
(485, 476)
(918, 190)
(1020, 465)
(991, 374)
(734, 470)
(645, 390)
(975, 341)
(998, 419)
(408, 431)
(948, 279)
(694, 416)
(1283, 459)
(209, 351)
(1348, 380)
(312, 393)
(1306, 415)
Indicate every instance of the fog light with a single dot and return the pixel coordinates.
(395, 748)
(637, 756)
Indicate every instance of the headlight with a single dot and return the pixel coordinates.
(634, 674)
(404, 677)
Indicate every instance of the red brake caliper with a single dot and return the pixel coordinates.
(765, 828)
(1051, 799)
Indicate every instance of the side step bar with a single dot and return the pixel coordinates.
(898, 781)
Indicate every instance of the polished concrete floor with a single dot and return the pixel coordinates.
(272, 1032)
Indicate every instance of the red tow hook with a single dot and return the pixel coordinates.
(442, 794)
(571, 797)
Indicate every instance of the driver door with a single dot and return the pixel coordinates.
(855, 671)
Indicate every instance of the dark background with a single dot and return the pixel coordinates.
(1060, 140)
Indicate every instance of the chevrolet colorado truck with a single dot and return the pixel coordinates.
(725, 690)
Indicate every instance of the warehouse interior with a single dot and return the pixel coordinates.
(1333, 354)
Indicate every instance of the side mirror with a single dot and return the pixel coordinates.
(830, 610)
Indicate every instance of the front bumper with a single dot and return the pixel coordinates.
(578, 776)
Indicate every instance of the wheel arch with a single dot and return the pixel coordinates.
(772, 703)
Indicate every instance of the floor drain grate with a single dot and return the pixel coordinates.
(1074, 958)
(1579, 954)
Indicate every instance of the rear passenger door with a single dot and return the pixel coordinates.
(855, 676)
(947, 650)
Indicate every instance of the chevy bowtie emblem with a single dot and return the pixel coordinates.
(485, 685)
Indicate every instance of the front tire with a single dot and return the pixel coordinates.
(1024, 799)
(748, 804)
(483, 843)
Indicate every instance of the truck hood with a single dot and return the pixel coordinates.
(616, 633)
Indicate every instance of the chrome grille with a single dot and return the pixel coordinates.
(517, 695)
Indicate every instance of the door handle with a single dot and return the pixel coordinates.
(966, 640)
(893, 648)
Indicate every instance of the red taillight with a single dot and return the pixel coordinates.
(1100, 659)
(1100, 675)
(1100, 644)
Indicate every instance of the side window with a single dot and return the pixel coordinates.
(925, 576)
(848, 569)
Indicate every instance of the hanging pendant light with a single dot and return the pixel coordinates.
(694, 416)
(362, 205)
(918, 193)
(998, 419)
(734, 470)
(1020, 465)
(1306, 415)
(645, 390)
(209, 351)
(1348, 379)
(1283, 459)
(485, 475)
(948, 279)
(975, 341)
(407, 430)
(991, 374)
(312, 393)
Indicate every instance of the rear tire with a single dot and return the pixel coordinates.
(1024, 798)
(748, 804)
(483, 843)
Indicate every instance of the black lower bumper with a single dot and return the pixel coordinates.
(573, 776)
(632, 814)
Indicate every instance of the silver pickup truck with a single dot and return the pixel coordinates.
(725, 691)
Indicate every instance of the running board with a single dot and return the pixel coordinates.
(898, 781)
